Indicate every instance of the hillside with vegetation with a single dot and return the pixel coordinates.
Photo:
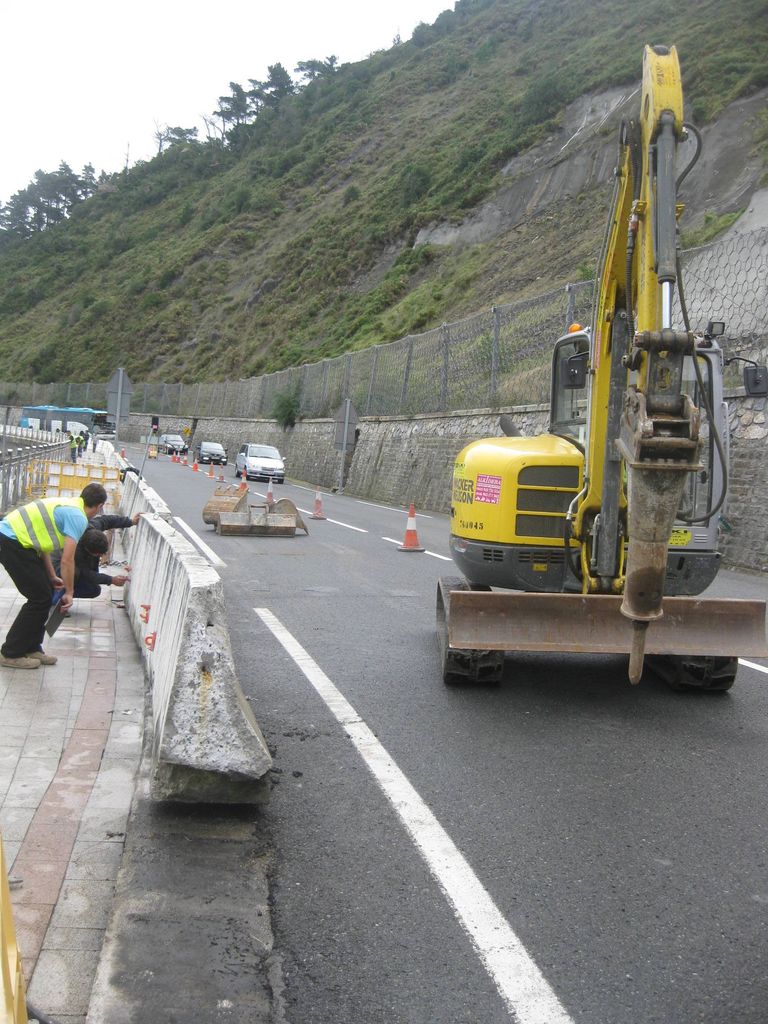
(318, 215)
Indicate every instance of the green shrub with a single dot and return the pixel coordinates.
(414, 182)
(351, 195)
(99, 308)
(714, 224)
(240, 199)
(287, 408)
(167, 276)
(135, 285)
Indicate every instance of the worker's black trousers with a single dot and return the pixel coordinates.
(28, 572)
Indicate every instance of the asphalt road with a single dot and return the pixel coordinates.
(619, 832)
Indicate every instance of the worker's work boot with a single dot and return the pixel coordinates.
(42, 657)
(19, 662)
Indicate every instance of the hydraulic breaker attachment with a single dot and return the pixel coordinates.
(581, 623)
(659, 442)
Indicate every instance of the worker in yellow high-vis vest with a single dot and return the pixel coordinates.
(28, 537)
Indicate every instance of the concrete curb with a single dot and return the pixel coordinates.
(189, 935)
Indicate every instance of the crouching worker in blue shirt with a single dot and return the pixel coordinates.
(29, 536)
(92, 545)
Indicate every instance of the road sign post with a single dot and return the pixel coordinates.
(119, 391)
(346, 422)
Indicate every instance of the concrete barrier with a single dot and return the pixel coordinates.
(207, 745)
(138, 496)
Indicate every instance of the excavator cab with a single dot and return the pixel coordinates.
(568, 404)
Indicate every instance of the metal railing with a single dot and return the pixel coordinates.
(22, 467)
(498, 357)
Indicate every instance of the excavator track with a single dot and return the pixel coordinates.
(462, 666)
(710, 674)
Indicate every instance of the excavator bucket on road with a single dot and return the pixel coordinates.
(276, 519)
(230, 512)
(225, 498)
(285, 507)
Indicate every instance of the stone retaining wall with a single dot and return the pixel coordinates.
(745, 538)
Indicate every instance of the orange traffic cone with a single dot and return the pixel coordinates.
(194, 467)
(185, 461)
(221, 475)
(243, 485)
(270, 495)
(411, 542)
(318, 513)
(122, 453)
(210, 470)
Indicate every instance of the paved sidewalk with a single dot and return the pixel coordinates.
(70, 747)
(126, 911)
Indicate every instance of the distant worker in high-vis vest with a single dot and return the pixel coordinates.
(28, 537)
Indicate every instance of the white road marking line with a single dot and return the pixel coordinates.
(391, 508)
(305, 511)
(310, 513)
(211, 555)
(752, 664)
(347, 525)
(525, 991)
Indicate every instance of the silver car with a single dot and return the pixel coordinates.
(260, 462)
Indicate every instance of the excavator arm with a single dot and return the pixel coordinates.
(657, 440)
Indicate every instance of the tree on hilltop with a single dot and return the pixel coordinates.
(167, 136)
(278, 85)
(314, 69)
(233, 109)
(47, 200)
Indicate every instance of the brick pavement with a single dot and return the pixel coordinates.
(70, 745)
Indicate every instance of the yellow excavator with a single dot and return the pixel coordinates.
(595, 536)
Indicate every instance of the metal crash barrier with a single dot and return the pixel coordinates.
(13, 1009)
(21, 468)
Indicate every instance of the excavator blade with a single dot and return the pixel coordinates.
(515, 621)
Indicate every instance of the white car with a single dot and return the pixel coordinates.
(260, 462)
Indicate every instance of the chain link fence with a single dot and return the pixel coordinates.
(495, 358)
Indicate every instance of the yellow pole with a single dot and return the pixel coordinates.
(13, 1009)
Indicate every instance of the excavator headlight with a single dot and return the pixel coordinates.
(715, 329)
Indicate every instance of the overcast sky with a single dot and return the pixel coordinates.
(88, 83)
